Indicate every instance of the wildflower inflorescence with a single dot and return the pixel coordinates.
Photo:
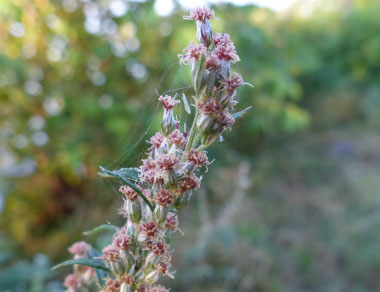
(140, 251)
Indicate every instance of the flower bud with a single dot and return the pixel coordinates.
(130, 229)
(160, 214)
(152, 277)
(125, 288)
(204, 32)
(182, 200)
(197, 72)
(205, 123)
(208, 84)
(134, 211)
(168, 122)
(211, 137)
(117, 268)
(202, 15)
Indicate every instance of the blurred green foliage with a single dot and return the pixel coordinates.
(78, 85)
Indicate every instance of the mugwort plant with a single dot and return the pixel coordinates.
(153, 193)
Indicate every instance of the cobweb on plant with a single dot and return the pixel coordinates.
(175, 81)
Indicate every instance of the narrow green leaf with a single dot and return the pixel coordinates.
(241, 113)
(128, 183)
(97, 264)
(197, 74)
(129, 173)
(186, 104)
(100, 228)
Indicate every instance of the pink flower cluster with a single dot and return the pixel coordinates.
(82, 275)
(121, 242)
(200, 14)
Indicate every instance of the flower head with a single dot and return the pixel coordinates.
(197, 157)
(127, 279)
(71, 282)
(149, 229)
(225, 120)
(122, 240)
(157, 139)
(192, 53)
(129, 193)
(111, 253)
(212, 62)
(158, 247)
(222, 39)
(200, 14)
(168, 102)
(167, 161)
(164, 198)
(189, 182)
(158, 289)
(233, 82)
(227, 53)
(112, 285)
(209, 106)
(79, 249)
(177, 138)
(171, 221)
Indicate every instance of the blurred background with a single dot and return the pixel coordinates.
(291, 203)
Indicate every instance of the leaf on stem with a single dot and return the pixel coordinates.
(126, 180)
(241, 113)
(129, 173)
(93, 263)
(186, 104)
(100, 228)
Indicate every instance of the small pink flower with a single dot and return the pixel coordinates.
(189, 182)
(167, 161)
(112, 285)
(233, 82)
(127, 279)
(158, 248)
(212, 62)
(148, 176)
(197, 157)
(157, 140)
(227, 53)
(222, 39)
(163, 267)
(192, 53)
(225, 120)
(143, 288)
(111, 253)
(168, 102)
(148, 163)
(123, 211)
(158, 289)
(177, 138)
(200, 14)
(148, 170)
(148, 229)
(71, 282)
(209, 106)
(79, 249)
(129, 193)
(121, 239)
(171, 221)
(164, 198)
